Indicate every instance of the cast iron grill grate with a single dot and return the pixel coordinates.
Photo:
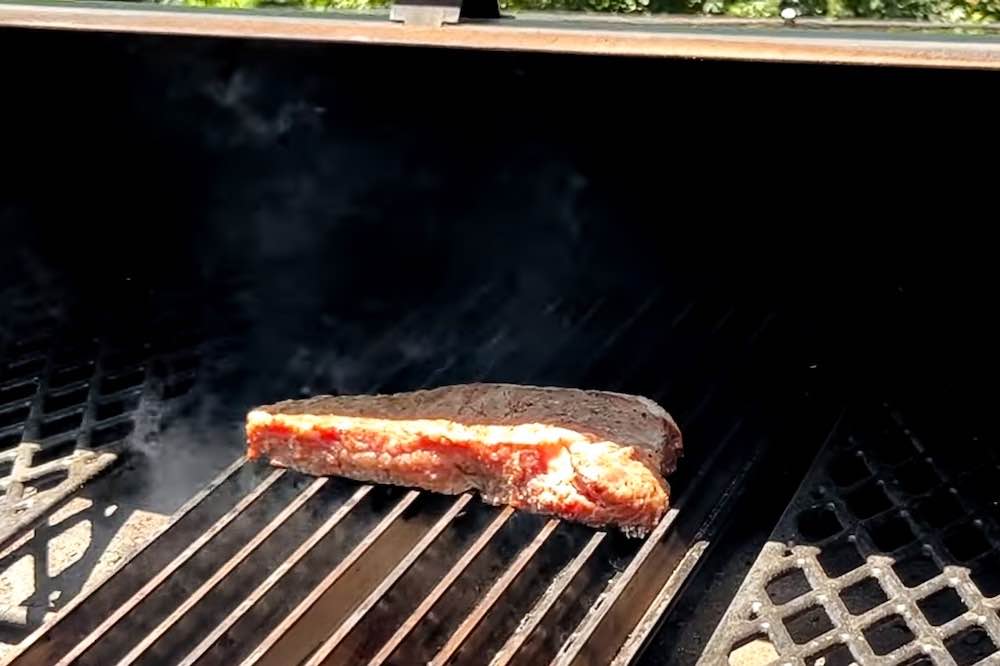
(67, 407)
(893, 545)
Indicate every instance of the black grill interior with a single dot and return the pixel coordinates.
(192, 227)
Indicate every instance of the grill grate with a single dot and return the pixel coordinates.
(272, 567)
(71, 404)
(888, 554)
(68, 408)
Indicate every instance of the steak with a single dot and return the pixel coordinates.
(589, 456)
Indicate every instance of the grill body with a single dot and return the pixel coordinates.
(241, 222)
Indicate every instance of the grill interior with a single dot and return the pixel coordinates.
(270, 566)
(248, 222)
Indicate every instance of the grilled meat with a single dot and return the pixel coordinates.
(590, 456)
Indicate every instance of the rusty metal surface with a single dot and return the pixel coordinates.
(888, 554)
(608, 37)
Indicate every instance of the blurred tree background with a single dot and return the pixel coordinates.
(947, 11)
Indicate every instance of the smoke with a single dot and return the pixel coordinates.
(332, 233)
(354, 250)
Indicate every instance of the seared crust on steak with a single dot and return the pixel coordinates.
(591, 456)
(629, 420)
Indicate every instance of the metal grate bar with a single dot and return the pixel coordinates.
(275, 576)
(542, 607)
(494, 594)
(653, 550)
(702, 540)
(223, 571)
(445, 583)
(379, 593)
(637, 638)
(571, 649)
(262, 651)
(173, 566)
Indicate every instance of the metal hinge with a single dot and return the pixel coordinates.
(439, 12)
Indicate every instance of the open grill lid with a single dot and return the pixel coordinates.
(895, 43)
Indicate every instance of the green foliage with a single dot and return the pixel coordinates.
(952, 11)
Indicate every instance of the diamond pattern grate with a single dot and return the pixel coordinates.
(888, 554)
(68, 408)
